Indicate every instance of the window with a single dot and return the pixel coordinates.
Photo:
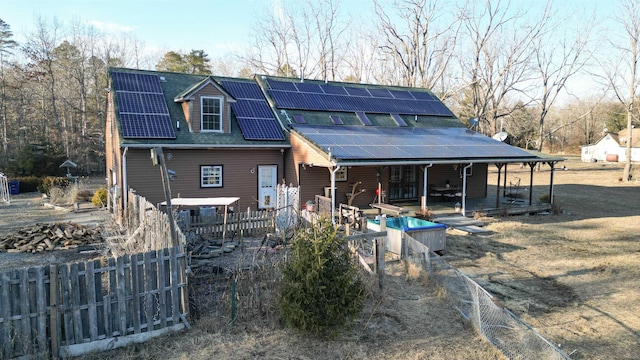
(341, 174)
(211, 113)
(211, 176)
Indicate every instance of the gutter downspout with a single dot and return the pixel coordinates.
(123, 191)
(424, 188)
(464, 190)
(333, 194)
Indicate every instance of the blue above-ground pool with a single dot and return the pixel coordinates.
(428, 233)
(408, 224)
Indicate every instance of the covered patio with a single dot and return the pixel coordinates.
(435, 159)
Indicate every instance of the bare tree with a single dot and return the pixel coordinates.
(423, 49)
(624, 73)
(496, 62)
(556, 61)
(6, 46)
(294, 40)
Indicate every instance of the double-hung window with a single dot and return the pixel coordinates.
(211, 176)
(211, 113)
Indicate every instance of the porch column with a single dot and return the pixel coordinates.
(464, 190)
(425, 195)
(532, 166)
(499, 166)
(333, 194)
(552, 165)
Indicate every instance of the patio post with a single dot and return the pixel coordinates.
(532, 165)
(424, 187)
(499, 166)
(464, 189)
(333, 194)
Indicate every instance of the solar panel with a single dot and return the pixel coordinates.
(260, 129)
(148, 83)
(387, 143)
(401, 94)
(335, 90)
(254, 115)
(142, 106)
(307, 87)
(365, 120)
(381, 93)
(281, 85)
(422, 95)
(354, 91)
(299, 119)
(252, 108)
(330, 97)
(243, 89)
(398, 120)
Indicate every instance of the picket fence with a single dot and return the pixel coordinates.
(246, 223)
(66, 310)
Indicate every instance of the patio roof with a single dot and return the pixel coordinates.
(357, 145)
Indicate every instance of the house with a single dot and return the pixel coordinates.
(240, 137)
(613, 147)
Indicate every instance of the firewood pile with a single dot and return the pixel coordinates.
(48, 237)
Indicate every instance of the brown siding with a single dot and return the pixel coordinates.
(305, 153)
(476, 183)
(238, 180)
(210, 90)
(186, 109)
(113, 155)
(314, 180)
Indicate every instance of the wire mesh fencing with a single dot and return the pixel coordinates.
(497, 324)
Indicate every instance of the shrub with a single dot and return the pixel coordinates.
(53, 181)
(545, 198)
(28, 183)
(321, 290)
(100, 197)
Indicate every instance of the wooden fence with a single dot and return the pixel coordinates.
(248, 222)
(147, 229)
(72, 309)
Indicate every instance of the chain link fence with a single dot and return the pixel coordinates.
(497, 324)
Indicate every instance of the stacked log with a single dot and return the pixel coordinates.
(48, 237)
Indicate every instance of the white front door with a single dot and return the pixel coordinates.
(267, 181)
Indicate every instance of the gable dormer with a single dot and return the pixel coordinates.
(206, 107)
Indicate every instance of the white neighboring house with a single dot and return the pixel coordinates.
(614, 145)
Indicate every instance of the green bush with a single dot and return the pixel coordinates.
(321, 289)
(100, 197)
(53, 181)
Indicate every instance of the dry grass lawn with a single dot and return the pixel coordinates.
(574, 277)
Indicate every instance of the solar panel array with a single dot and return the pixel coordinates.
(252, 111)
(326, 97)
(142, 107)
(392, 143)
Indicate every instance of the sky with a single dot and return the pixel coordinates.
(218, 27)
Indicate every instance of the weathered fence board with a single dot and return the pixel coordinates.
(248, 222)
(62, 309)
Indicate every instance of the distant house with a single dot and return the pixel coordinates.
(613, 147)
(240, 137)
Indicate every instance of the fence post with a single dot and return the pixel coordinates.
(53, 299)
(380, 254)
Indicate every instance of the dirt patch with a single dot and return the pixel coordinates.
(27, 209)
